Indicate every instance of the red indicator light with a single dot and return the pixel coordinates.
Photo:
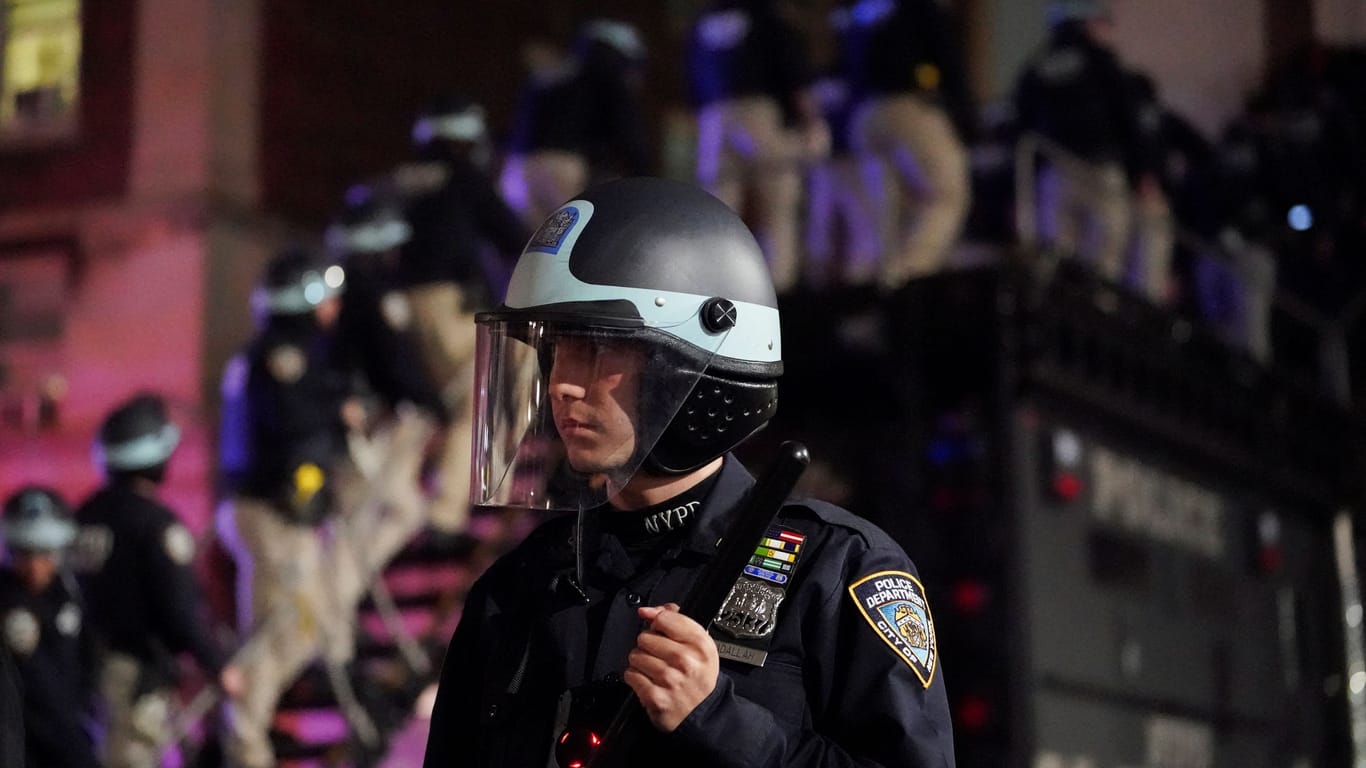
(1066, 486)
(974, 713)
(970, 596)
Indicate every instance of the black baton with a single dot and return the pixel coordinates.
(707, 594)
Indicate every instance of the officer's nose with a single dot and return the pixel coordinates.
(570, 372)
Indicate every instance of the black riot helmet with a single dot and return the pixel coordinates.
(36, 519)
(371, 220)
(643, 276)
(295, 283)
(450, 118)
(137, 438)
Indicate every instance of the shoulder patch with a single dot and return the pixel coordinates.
(21, 631)
(893, 603)
(69, 619)
(178, 543)
(286, 363)
(397, 312)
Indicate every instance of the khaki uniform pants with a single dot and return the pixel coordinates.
(1154, 238)
(837, 196)
(444, 322)
(1084, 209)
(303, 584)
(139, 726)
(917, 170)
(747, 159)
(536, 184)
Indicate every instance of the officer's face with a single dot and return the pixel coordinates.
(594, 385)
(327, 312)
(35, 569)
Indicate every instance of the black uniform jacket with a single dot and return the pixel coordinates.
(46, 636)
(1074, 93)
(134, 558)
(834, 690)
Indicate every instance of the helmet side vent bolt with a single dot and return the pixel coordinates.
(718, 314)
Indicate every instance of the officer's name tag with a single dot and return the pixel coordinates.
(745, 655)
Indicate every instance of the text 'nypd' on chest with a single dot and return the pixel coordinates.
(893, 588)
(670, 519)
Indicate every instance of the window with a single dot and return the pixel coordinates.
(40, 57)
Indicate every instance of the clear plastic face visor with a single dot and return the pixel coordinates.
(564, 416)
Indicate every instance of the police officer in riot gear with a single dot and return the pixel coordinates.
(1073, 93)
(638, 344)
(757, 120)
(912, 119)
(288, 408)
(456, 218)
(135, 559)
(45, 629)
(579, 119)
(375, 334)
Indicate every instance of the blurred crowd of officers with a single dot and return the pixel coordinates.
(346, 422)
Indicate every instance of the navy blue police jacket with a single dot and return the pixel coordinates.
(841, 685)
(51, 647)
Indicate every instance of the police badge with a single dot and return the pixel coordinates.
(750, 612)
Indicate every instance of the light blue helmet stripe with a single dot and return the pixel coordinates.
(46, 533)
(303, 296)
(140, 452)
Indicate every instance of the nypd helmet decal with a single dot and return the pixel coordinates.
(554, 231)
(893, 603)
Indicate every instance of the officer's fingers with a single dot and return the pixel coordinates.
(653, 699)
(681, 656)
(650, 612)
(658, 670)
(676, 626)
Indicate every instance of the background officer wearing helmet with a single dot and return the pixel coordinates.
(913, 115)
(375, 340)
(1074, 94)
(135, 560)
(44, 630)
(288, 406)
(375, 335)
(646, 307)
(455, 214)
(757, 121)
(579, 119)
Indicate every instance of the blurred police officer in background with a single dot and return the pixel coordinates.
(579, 119)
(649, 324)
(135, 559)
(758, 123)
(288, 406)
(45, 632)
(377, 343)
(912, 117)
(1073, 93)
(1154, 226)
(457, 221)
